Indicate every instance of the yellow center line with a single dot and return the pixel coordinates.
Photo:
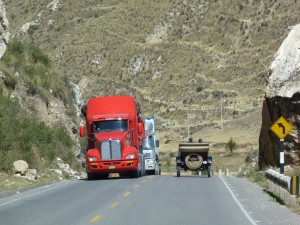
(136, 186)
(150, 177)
(143, 181)
(126, 194)
(98, 217)
(115, 204)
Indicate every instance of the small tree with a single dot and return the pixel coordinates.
(231, 145)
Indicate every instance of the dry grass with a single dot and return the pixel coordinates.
(208, 47)
(10, 184)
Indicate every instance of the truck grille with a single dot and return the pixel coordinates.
(111, 150)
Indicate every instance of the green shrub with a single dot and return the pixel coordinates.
(167, 141)
(231, 145)
(38, 56)
(200, 88)
(16, 47)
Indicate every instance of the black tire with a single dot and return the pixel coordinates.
(156, 171)
(209, 171)
(90, 176)
(178, 171)
(134, 173)
(103, 176)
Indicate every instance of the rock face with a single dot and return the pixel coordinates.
(4, 33)
(282, 98)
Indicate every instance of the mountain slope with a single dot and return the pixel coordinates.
(175, 57)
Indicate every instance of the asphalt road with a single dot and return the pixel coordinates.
(150, 200)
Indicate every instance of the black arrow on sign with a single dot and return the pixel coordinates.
(281, 126)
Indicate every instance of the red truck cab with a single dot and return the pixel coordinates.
(115, 132)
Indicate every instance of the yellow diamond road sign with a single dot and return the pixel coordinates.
(281, 127)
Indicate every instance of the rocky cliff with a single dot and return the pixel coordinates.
(282, 98)
(4, 32)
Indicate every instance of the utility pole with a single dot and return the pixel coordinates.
(221, 96)
(188, 117)
(188, 126)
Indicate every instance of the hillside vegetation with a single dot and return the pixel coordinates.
(176, 57)
(22, 135)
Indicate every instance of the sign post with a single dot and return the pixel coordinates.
(281, 156)
(281, 128)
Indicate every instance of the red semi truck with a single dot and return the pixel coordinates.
(115, 133)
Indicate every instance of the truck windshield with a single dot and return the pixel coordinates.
(110, 125)
(149, 143)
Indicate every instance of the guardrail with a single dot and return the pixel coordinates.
(283, 185)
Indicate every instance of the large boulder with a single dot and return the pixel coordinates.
(20, 167)
(282, 98)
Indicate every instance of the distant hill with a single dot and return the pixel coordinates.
(176, 57)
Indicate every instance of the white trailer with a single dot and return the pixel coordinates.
(150, 148)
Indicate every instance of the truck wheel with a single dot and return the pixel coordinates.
(209, 171)
(134, 173)
(103, 176)
(156, 171)
(90, 176)
(178, 171)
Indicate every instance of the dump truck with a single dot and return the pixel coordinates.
(194, 157)
(150, 148)
(115, 136)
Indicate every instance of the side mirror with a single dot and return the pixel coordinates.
(157, 143)
(81, 131)
(140, 128)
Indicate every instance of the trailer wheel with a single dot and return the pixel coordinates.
(178, 171)
(209, 171)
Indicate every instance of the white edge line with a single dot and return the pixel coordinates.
(238, 203)
(6, 203)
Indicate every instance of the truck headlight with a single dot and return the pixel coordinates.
(130, 156)
(150, 161)
(91, 159)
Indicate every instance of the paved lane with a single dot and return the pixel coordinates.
(185, 200)
(68, 203)
(164, 200)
